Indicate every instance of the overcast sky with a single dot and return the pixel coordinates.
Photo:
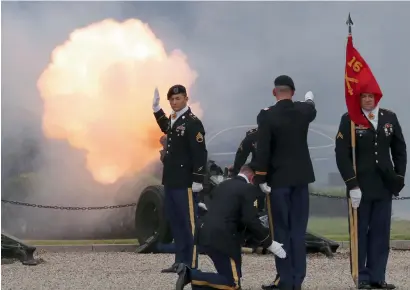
(237, 48)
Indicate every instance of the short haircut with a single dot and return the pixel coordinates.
(247, 169)
(283, 89)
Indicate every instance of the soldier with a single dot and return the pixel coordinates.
(371, 189)
(248, 146)
(283, 171)
(184, 171)
(231, 211)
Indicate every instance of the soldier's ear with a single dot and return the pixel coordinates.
(274, 92)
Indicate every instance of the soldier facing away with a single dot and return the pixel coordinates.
(283, 170)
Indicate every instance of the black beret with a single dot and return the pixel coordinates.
(284, 80)
(176, 89)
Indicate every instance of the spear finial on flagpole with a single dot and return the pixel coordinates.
(349, 23)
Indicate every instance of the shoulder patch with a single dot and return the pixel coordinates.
(266, 109)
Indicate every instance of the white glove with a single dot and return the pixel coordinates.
(197, 187)
(356, 196)
(155, 101)
(309, 96)
(265, 188)
(202, 205)
(277, 250)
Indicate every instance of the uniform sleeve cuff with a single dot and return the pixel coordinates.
(198, 178)
(351, 183)
(267, 242)
(259, 179)
(158, 114)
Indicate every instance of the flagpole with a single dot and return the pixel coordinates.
(354, 253)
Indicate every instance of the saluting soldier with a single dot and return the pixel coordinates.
(283, 170)
(378, 178)
(247, 147)
(184, 171)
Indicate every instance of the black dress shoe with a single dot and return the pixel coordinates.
(182, 271)
(270, 286)
(382, 285)
(172, 269)
(365, 285)
(273, 285)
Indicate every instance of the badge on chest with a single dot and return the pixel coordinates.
(180, 130)
(360, 130)
(388, 129)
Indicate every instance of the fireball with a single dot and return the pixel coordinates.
(97, 92)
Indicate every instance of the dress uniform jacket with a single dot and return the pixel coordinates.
(248, 146)
(230, 212)
(282, 154)
(186, 154)
(377, 176)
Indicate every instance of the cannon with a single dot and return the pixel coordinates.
(154, 235)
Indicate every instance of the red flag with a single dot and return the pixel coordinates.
(358, 79)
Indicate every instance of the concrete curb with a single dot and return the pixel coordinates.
(88, 248)
(395, 245)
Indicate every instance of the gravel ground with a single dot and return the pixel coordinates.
(132, 271)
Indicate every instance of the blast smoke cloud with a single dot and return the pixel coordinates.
(98, 89)
(236, 48)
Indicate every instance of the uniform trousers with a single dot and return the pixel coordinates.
(373, 226)
(290, 213)
(261, 200)
(181, 212)
(227, 277)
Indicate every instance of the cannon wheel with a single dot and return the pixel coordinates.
(149, 216)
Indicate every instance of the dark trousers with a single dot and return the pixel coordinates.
(373, 226)
(181, 212)
(227, 277)
(290, 212)
(261, 200)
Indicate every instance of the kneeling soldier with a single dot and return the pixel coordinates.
(230, 211)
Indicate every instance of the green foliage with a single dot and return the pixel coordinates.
(333, 191)
(338, 229)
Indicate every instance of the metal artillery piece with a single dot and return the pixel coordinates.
(14, 248)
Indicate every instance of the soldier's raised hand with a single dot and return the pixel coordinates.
(309, 96)
(155, 102)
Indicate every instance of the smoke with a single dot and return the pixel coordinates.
(236, 49)
(97, 93)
